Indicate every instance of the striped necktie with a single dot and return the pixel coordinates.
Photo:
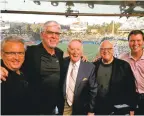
(71, 85)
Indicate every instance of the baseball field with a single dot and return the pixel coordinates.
(90, 50)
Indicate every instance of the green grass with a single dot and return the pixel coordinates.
(90, 50)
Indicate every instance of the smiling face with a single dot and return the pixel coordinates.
(51, 34)
(13, 54)
(136, 43)
(106, 51)
(75, 50)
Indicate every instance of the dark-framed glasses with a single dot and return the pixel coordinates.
(52, 33)
(108, 49)
(14, 53)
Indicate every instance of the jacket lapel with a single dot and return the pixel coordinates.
(66, 65)
(37, 59)
(80, 76)
(113, 75)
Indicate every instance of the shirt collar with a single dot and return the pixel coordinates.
(76, 64)
(142, 57)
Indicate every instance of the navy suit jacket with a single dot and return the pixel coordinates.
(85, 88)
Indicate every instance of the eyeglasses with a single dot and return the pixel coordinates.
(11, 54)
(108, 49)
(51, 33)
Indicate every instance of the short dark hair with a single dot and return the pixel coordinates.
(135, 32)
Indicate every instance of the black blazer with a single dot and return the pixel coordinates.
(32, 67)
(85, 88)
(122, 83)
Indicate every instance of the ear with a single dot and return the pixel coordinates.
(68, 50)
(1, 54)
(43, 35)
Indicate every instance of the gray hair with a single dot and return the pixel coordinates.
(13, 38)
(104, 41)
(46, 24)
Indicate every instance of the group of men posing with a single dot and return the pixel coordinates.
(36, 79)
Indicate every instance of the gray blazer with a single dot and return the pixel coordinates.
(85, 88)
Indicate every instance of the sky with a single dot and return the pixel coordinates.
(29, 5)
(61, 19)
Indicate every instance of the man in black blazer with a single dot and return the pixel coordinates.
(116, 84)
(82, 87)
(42, 65)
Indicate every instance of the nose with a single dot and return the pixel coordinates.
(75, 51)
(105, 50)
(135, 42)
(16, 55)
(53, 35)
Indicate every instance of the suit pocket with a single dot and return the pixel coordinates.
(84, 83)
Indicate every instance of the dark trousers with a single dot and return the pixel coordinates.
(140, 102)
(103, 106)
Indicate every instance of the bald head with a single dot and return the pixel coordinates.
(106, 44)
(106, 51)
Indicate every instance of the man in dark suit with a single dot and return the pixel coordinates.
(80, 87)
(116, 84)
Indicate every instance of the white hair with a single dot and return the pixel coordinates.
(46, 24)
(104, 41)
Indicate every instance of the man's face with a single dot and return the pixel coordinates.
(136, 43)
(106, 51)
(51, 35)
(13, 54)
(75, 51)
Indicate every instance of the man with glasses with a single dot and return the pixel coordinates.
(42, 66)
(115, 82)
(14, 91)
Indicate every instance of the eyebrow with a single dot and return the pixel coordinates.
(53, 32)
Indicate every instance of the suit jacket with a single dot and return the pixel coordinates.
(122, 83)
(85, 88)
(31, 68)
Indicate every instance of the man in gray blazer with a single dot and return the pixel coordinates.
(80, 87)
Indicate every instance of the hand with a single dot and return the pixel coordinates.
(3, 74)
(96, 58)
(90, 114)
(131, 113)
(84, 58)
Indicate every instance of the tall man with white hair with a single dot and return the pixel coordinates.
(42, 67)
(115, 82)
